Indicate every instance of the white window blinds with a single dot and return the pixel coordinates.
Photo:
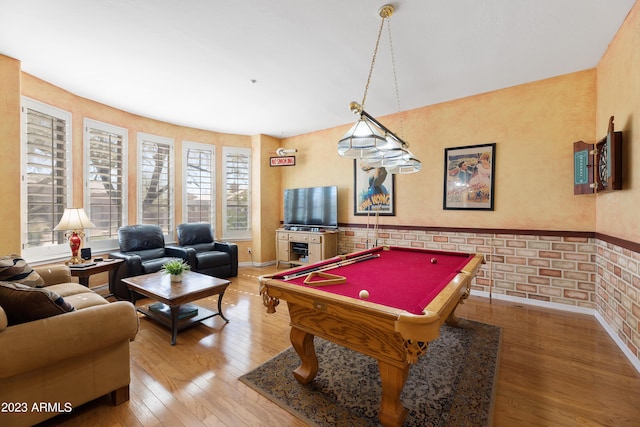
(105, 177)
(47, 172)
(199, 184)
(155, 181)
(237, 192)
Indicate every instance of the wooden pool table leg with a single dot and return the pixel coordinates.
(452, 319)
(303, 344)
(392, 413)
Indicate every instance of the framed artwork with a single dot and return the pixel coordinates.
(469, 174)
(374, 190)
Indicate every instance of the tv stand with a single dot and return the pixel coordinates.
(300, 228)
(299, 247)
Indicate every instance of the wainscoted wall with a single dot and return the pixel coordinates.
(618, 293)
(566, 270)
(558, 269)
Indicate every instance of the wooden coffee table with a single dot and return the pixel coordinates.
(194, 286)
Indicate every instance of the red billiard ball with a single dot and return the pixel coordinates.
(434, 261)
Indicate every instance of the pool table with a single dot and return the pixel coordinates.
(411, 293)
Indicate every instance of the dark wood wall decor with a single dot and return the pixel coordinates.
(608, 161)
(597, 168)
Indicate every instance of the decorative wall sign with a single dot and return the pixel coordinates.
(282, 161)
(469, 177)
(374, 190)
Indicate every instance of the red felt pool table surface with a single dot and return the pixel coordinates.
(403, 278)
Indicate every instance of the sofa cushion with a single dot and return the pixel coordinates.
(23, 303)
(140, 237)
(155, 264)
(67, 289)
(3, 320)
(212, 259)
(13, 268)
(203, 247)
(194, 233)
(86, 299)
(151, 254)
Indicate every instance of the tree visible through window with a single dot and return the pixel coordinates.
(105, 148)
(199, 188)
(156, 181)
(46, 139)
(237, 192)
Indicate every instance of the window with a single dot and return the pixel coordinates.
(46, 184)
(155, 182)
(105, 148)
(236, 212)
(199, 183)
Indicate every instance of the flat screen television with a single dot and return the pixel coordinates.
(313, 207)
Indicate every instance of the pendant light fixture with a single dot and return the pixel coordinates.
(368, 139)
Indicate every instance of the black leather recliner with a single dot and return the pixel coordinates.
(143, 250)
(204, 254)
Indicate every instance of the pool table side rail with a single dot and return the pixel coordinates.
(422, 327)
(320, 299)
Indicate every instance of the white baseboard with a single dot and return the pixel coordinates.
(545, 304)
(634, 361)
(563, 307)
(250, 264)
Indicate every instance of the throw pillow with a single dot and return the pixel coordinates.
(22, 303)
(14, 268)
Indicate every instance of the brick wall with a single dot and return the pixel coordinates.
(544, 268)
(577, 272)
(618, 292)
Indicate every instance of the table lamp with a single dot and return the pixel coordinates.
(73, 221)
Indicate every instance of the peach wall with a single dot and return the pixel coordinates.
(15, 83)
(266, 198)
(10, 171)
(618, 94)
(81, 108)
(534, 126)
(618, 268)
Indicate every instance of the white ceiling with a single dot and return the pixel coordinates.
(192, 62)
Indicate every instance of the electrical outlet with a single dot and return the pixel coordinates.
(249, 250)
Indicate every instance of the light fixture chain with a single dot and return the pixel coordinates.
(373, 61)
(395, 77)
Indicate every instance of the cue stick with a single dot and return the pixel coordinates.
(490, 269)
(375, 227)
(331, 266)
(367, 232)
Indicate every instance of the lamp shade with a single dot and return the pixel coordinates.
(406, 164)
(390, 153)
(74, 219)
(362, 141)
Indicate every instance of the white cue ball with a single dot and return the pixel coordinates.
(364, 294)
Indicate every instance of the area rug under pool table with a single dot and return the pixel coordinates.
(452, 385)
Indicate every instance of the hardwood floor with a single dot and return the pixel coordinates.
(556, 369)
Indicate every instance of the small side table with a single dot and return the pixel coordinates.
(83, 273)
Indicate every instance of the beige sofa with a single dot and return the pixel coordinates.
(52, 365)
